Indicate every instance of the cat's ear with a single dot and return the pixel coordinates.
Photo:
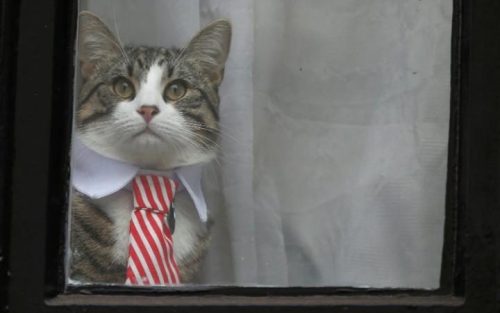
(96, 43)
(210, 48)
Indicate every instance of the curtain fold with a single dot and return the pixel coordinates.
(334, 120)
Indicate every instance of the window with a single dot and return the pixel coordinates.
(41, 141)
(331, 147)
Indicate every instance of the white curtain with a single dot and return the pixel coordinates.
(335, 118)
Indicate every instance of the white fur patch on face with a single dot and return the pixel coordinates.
(151, 89)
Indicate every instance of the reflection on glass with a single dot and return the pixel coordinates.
(283, 143)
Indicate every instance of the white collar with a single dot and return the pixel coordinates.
(98, 176)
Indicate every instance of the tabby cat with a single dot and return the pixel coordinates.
(153, 107)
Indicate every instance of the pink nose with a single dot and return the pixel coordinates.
(148, 112)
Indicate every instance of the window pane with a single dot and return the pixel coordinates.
(324, 164)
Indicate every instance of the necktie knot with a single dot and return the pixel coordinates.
(154, 193)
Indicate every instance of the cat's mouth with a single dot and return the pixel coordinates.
(147, 132)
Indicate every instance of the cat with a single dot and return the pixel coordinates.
(156, 108)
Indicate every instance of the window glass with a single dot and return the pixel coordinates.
(263, 143)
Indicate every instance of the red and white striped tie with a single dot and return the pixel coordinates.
(151, 253)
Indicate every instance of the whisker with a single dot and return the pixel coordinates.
(220, 132)
(178, 58)
(119, 44)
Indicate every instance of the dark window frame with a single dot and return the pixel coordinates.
(34, 173)
(8, 35)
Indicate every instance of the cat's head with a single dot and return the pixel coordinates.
(150, 106)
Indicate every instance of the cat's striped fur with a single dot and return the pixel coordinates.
(183, 131)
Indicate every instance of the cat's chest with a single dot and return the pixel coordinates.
(118, 207)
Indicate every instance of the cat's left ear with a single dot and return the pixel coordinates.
(210, 49)
(96, 43)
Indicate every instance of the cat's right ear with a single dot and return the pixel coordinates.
(96, 43)
(210, 49)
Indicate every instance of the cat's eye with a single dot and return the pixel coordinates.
(123, 88)
(175, 90)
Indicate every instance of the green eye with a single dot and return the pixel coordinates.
(175, 90)
(123, 88)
